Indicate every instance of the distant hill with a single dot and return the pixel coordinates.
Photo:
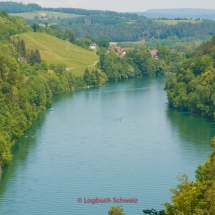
(120, 27)
(179, 13)
(15, 7)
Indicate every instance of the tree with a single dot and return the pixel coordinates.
(21, 48)
(60, 69)
(103, 43)
(116, 210)
(37, 57)
(201, 64)
(35, 27)
(5, 155)
(4, 13)
(186, 197)
(164, 54)
(87, 77)
(3, 69)
(71, 35)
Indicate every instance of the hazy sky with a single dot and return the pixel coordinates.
(125, 5)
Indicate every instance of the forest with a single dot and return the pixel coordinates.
(120, 29)
(192, 87)
(15, 7)
(117, 27)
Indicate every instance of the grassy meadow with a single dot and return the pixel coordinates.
(174, 22)
(55, 51)
(137, 44)
(31, 15)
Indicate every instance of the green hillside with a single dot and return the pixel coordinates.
(55, 51)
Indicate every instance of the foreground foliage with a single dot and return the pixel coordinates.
(116, 210)
(195, 197)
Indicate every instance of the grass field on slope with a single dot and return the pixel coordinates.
(31, 15)
(55, 51)
(174, 22)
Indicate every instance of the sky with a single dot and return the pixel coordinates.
(125, 5)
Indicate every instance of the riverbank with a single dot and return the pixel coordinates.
(81, 138)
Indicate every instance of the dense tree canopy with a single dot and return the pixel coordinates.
(192, 88)
(135, 63)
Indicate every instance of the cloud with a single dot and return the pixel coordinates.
(48, 3)
(74, 3)
(124, 5)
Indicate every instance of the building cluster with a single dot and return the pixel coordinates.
(120, 51)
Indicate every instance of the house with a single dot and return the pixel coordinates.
(122, 54)
(115, 48)
(22, 59)
(154, 53)
(93, 46)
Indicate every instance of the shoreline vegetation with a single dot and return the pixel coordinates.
(192, 89)
(27, 84)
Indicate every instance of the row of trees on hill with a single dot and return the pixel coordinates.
(140, 62)
(68, 34)
(15, 7)
(115, 26)
(120, 29)
(11, 25)
(30, 56)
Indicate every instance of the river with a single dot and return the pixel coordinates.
(82, 149)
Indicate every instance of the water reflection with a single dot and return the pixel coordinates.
(193, 130)
(26, 143)
(20, 151)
